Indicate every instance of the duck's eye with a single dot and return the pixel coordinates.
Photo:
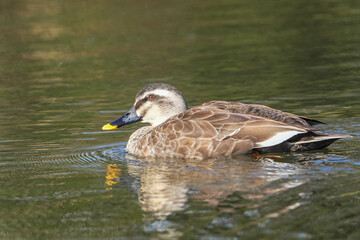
(151, 97)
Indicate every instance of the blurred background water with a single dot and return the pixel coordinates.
(68, 67)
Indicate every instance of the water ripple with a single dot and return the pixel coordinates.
(65, 163)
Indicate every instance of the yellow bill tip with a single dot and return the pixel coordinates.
(108, 127)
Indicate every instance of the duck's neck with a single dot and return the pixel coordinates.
(134, 140)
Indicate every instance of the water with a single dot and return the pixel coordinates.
(68, 67)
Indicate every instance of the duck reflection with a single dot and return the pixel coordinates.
(167, 185)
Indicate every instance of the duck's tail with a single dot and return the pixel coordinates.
(315, 142)
(304, 142)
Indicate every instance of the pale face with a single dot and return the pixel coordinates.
(158, 105)
(154, 104)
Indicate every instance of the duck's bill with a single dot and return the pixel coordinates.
(127, 118)
(108, 127)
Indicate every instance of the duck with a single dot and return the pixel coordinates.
(214, 129)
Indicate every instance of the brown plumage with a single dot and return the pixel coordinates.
(214, 129)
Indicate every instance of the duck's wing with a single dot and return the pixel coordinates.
(202, 133)
(262, 111)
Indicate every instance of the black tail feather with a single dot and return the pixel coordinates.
(312, 122)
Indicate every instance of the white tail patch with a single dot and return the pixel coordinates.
(277, 139)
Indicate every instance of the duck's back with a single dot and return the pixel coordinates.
(262, 111)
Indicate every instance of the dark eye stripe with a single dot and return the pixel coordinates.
(140, 103)
(146, 98)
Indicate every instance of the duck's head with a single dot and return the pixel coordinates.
(154, 104)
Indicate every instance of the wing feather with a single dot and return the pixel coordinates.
(216, 132)
(261, 111)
